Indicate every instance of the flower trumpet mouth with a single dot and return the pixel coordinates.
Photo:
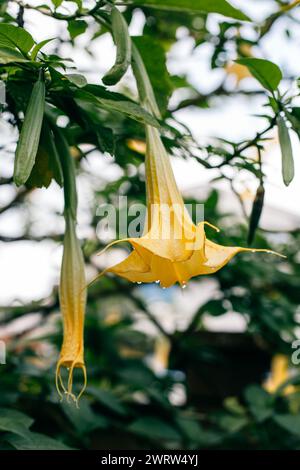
(146, 263)
(67, 390)
(172, 248)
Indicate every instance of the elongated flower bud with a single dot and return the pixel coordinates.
(30, 134)
(72, 295)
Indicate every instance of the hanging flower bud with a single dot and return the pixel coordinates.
(72, 296)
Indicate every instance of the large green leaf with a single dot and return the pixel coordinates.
(154, 60)
(266, 72)
(14, 421)
(84, 419)
(14, 36)
(8, 55)
(129, 108)
(154, 428)
(290, 423)
(108, 400)
(260, 402)
(76, 27)
(205, 6)
(35, 441)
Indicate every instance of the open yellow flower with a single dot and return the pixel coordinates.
(72, 294)
(172, 248)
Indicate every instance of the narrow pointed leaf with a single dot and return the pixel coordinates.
(126, 107)
(205, 6)
(123, 44)
(154, 59)
(144, 85)
(287, 160)
(30, 134)
(39, 46)
(256, 212)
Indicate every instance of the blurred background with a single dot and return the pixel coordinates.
(205, 367)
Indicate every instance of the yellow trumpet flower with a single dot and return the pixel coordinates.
(72, 294)
(172, 248)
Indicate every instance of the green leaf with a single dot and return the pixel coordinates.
(38, 47)
(154, 58)
(83, 418)
(76, 27)
(30, 134)
(232, 423)
(294, 118)
(204, 6)
(77, 79)
(35, 441)
(123, 43)
(214, 307)
(290, 423)
(47, 164)
(57, 3)
(146, 93)
(8, 55)
(105, 139)
(14, 421)
(16, 37)
(154, 428)
(287, 160)
(129, 108)
(108, 399)
(267, 73)
(259, 401)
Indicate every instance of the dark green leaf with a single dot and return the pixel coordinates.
(14, 421)
(206, 6)
(35, 441)
(108, 399)
(84, 419)
(232, 424)
(76, 27)
(154, 428)
(289, 422)
(129, 108)
(259, 401)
